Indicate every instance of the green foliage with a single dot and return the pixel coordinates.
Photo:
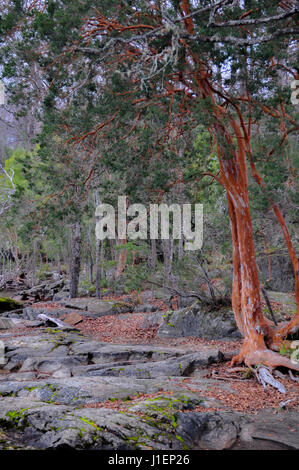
(16, 164)
(285, 349)
(139, 137)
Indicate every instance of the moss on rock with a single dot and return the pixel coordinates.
(7, 304)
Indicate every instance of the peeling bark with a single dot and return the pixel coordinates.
(259, 333)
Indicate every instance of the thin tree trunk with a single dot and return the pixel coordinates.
(122, 258)
(167, 246)
(91, 269)
(58, 264)
(34, 262)
(153, 254)
(98, 270)
(202, 262)
(99, 247)
(123, 252)
(3, 264)
(90, 255)
(180, 248)
(76, 261)
(180, 188)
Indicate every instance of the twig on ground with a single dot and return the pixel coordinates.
(295, 379)
(283, 404)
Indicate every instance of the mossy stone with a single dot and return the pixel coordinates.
(7, 304)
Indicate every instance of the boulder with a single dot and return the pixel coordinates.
(72, 318)
(199, 322)
(145, 308)
(99, 307)
(44, 291)
(282, 274)
(7, 304)
(207, 431)
(61, 295)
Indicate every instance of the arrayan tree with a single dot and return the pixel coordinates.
(182, 56)
(225, 64)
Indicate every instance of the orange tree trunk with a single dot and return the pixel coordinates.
(246, 290)
(233, 147)
(233, 143)
(258, 332)
(293, 326)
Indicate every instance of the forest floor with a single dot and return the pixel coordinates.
(243, 393)
(132, 386)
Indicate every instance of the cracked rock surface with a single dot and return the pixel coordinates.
(58, 389)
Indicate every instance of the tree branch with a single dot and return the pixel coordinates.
(243, 41)
(180, 294)
(6, 191)
(256, 21)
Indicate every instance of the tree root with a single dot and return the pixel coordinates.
(266, 357)
(264, 376)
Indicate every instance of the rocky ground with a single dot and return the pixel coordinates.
(109, 379)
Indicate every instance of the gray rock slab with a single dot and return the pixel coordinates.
(103, 352)
(51, 365)
(95, 306)
(178, 366)
(281, 428)
(55, 382)
(166, 423)
(199, 322)
(77, 390)
(7, 323)
(48, 426)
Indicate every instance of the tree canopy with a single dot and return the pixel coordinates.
(123, 87)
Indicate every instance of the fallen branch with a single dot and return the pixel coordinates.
(278, 374)
(295, 379)
(57, 322)
(283, 404)
(228, 377)
(265, 377)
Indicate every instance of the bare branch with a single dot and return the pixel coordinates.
(244, 41)
(6, 190)
(255, 21)
(179, 293)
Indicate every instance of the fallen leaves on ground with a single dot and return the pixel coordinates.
(239, 393)
(244, 394)
(122, 329)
